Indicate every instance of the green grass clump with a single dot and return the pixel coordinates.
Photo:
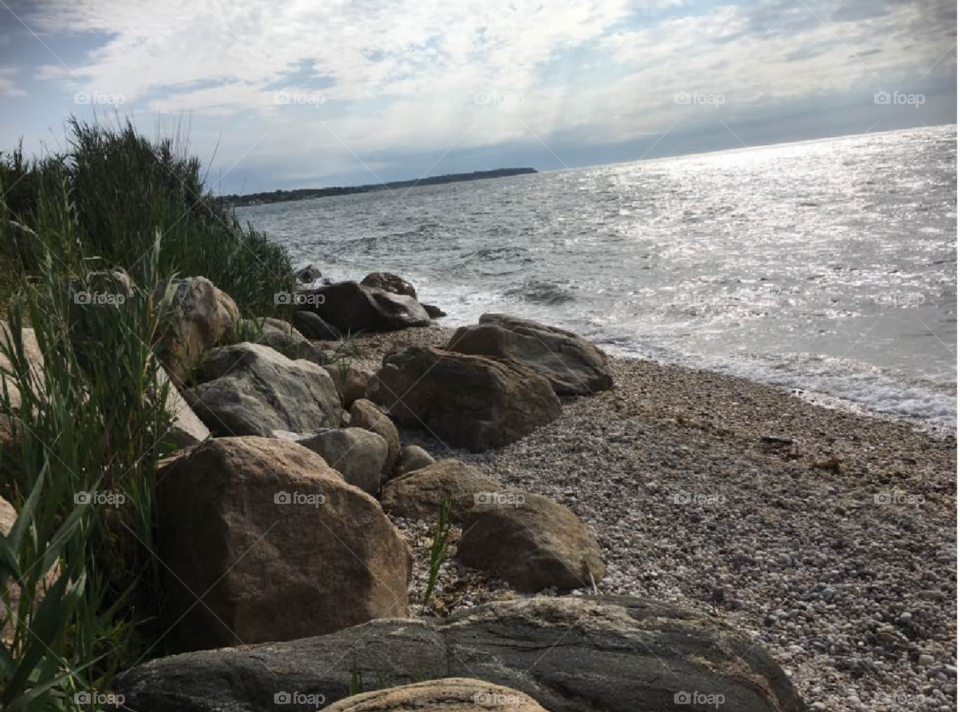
(438, 550)
(124, 192)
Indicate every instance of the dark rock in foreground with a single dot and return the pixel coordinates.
(313, 327)
(569, 654)
(572, 364)
(354, 307)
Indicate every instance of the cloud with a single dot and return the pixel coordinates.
(375, 78)
(8, 87)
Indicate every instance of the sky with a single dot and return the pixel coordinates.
(320, 93)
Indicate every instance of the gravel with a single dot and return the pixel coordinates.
(827, 536)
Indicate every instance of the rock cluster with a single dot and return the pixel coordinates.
(287, 578)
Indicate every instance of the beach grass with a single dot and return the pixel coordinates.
(124, 192)
(79, 573)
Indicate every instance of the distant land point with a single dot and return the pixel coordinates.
(279, 196)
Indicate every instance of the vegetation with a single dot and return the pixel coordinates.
(438, 550)
(82, 434)
(123, 193)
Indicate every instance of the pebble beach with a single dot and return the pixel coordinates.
(828, 537)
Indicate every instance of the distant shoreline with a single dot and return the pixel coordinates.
(280, 196)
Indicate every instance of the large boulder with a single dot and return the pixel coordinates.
(250, 389)
(201, 314)
(313, 327)
(355, 453)
(33, 362)
(469, 401)
(354, 307)
(413, 457)
(365, 414)
(420, 494)
(452, 694)
(275, 544)
(572, 364)
(569, 654)
(389, 282)
(531, 542)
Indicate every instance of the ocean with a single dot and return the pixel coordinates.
(828, 267)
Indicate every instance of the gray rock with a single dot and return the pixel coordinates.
(186, 428)
(366, 415)
(250, 389)
(413, 457)
(281, 336)
(531, 542)
(569, 654)
(470, 401)
(354, 307)
(355, 453)
(572, 364)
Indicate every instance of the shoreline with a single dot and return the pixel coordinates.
(827, 536)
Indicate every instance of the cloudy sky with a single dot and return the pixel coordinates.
(308, 93)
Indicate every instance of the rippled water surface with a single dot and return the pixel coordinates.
(828, 266)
